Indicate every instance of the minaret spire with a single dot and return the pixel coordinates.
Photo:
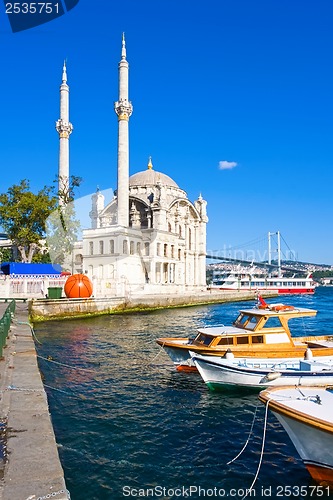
(123, 108)
(64, 73)
(64, 129)
(123, 48)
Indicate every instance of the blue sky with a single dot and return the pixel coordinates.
(214, 83)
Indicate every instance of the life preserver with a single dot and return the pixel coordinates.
(282, 308)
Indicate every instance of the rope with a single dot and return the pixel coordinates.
(156, 356)
(261, 454)
(13, 388)
(31, 328)
(60, 390)
(248, 438)
(64, 364)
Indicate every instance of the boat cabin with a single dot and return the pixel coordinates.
(257, 327)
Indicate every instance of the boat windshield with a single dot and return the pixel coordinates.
(203, 339)
(246, 321)
(273, 322)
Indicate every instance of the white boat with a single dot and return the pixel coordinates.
(230, 372)
(245, 280)
(307, 417)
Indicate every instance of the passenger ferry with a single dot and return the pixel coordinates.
(241, 280)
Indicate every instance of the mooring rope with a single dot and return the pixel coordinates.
(64, 364)
(261, 454)
(31, 328)
(248, 438)
(156, 355)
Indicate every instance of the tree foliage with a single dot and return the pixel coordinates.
(62, 225)
(62, 233)
(28, 218)
(23, 215)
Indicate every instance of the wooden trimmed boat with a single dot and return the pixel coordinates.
(306, 415)
(260, 332)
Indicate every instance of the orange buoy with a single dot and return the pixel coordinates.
(78, 286)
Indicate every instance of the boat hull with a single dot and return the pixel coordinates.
(306, 415)
(279, 290)
(178, 349)
(223, 374)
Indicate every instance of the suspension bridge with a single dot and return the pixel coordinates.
(267, 252)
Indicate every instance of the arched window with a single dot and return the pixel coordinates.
(125, 247)
(112, 246)
(132, 247)
(101, 247)
(91, 248)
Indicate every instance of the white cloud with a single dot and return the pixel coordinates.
(227, 165)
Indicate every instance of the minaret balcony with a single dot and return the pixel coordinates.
(123, 108)
(63, 128)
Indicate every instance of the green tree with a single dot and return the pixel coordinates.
(62, 225)
(23, 215)
(6, 255)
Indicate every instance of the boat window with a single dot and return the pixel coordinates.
(242, 320)
(252, 323)
(225, 341)
(203, 339)
(242, 340)
(246, 321)
(257, 339)
(273, 322)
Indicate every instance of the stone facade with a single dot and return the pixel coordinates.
(164, 245)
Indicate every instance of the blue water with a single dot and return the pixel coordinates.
(129, 426)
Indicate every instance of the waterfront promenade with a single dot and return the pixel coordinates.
(32, 468)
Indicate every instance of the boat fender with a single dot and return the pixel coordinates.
(229, 354)
(270, 377)
(308, 354)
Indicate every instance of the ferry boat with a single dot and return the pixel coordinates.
(306, 415)
(244, 281)
(260, 332)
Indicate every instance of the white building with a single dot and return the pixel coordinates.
(150, 238)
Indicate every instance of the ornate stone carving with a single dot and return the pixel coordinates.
(64, 129)
(123, 109)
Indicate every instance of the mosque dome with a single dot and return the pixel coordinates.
(151, 177)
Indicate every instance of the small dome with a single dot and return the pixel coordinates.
(151, 177)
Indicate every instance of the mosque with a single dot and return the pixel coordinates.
(150, 238)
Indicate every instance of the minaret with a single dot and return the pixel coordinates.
(64, 129)
(123, 109)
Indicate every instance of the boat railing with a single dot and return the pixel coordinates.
(283, 365)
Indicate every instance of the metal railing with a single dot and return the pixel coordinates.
(5, 323)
